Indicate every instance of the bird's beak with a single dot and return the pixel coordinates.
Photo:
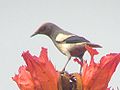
(33, 35)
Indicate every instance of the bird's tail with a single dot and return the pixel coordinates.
(94, 45)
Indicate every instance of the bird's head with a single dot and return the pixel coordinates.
(45, 29)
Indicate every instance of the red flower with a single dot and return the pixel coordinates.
(24, 79)
(39, 74)
(96, 76)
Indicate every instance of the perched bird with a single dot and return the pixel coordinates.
(69, 44)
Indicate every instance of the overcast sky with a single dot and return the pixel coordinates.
(96, 20)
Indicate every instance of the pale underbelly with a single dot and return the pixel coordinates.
(75, 50)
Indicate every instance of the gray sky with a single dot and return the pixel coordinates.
(97, 20)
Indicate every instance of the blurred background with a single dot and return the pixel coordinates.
(96, 20)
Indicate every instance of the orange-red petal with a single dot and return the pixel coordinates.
(42, 72)
(24, 79)
(96, 76)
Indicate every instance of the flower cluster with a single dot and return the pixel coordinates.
(40, 74)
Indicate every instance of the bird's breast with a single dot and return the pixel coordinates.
(73, 49)
(64, 48)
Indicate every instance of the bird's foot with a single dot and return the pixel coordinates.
(63, 71)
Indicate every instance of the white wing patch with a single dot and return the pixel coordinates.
(61, 37)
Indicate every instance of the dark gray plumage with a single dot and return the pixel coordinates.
(69, 44)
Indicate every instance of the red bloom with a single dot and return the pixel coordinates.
(24, 79)
(39, 74)
(96, 76)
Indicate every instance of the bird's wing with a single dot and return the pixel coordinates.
(79, 40)
(75, 39)
(62, 37)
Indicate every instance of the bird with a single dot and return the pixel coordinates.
(69, 44)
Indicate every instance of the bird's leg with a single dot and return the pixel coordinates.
(81, 65)
(66, 64)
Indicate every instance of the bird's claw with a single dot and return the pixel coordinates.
(63, 71)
